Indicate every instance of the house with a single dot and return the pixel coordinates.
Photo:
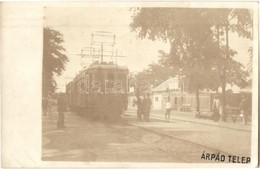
(176, 88)
(173, 86)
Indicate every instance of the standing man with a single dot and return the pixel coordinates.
(147, 107)
(61, 107)
(168, 109)
(244, 109)
(139, 104)
(125, 103)
(216, 108)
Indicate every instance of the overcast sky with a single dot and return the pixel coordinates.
(77, 24)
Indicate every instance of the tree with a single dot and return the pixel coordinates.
(156, 72)
(240, 22)
(190, 38)
(54, 59)
(195, 43)
(250, 63)
(250, 50)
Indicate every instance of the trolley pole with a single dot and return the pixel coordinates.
(102, 45)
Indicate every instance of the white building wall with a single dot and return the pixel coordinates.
(157, 101)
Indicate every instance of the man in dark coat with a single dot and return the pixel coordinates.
(139, 104)
(216, 109)
(147, 107)
(61, 107)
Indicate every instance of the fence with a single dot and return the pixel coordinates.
(206, 100)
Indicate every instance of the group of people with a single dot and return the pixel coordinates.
(144, 105)
(244, 109)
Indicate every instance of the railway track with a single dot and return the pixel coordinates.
(153, 143)
(171, 136)
(178, 148)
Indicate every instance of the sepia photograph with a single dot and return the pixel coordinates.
(148, 84)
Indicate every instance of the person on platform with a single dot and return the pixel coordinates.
(61, 107)
(139, 104)
(147, 107)
(244, 109)
(216, 109)
(168, 109)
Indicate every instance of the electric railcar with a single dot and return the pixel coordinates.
(99, 91)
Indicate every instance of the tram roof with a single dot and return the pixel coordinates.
(107, 66)
(104, 66)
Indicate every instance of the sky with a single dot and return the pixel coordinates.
(77, 23)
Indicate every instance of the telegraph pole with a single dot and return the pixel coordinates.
(224, 75)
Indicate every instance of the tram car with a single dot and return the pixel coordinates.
(100, 91)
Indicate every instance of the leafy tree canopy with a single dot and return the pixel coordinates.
(199, 42)
(54, 59)
(194, 39)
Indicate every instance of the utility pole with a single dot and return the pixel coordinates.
(219, 56)
(224, 75)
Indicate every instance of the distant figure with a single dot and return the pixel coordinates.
(168, 109)
(134, 102)
(147, 107)
(244, 109)
(44, 106)
(215, 109)
(49, 105)
(139, 104)
(125, 104)
(61, 107)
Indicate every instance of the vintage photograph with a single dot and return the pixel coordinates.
(143, 84)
